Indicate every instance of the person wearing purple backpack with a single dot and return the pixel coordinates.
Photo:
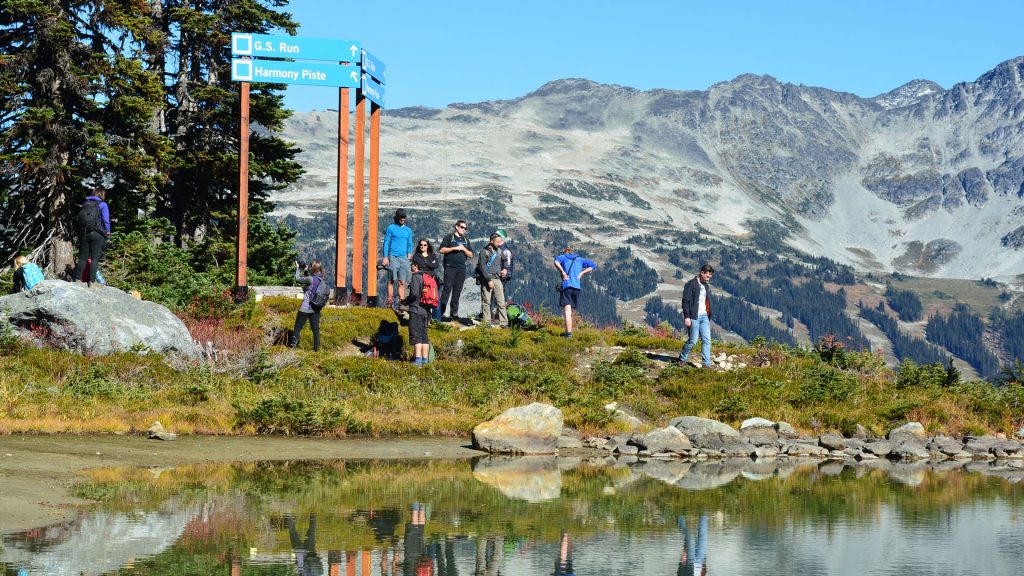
(311, 277)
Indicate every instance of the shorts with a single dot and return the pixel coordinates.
(398, 269)
(569, 297)
(418, 328)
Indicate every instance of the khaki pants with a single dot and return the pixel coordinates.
(498, 292)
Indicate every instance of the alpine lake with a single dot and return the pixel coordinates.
(536, 515)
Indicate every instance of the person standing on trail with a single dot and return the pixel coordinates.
(572, 268)
(697, 315)
(397, 254)
(456, 250)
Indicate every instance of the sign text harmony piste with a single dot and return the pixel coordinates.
(307, 73)
(275, 46)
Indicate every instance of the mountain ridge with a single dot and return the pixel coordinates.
(917, 180)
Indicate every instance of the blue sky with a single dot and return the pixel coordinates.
(442, 52)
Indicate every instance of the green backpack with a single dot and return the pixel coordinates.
(518, 316)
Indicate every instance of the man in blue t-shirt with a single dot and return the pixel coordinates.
(397, 253)
(572, 268)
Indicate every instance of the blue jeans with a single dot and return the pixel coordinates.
(699, 328)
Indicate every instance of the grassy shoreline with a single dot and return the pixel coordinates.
(257, 388)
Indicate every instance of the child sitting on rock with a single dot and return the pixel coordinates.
(26, 275)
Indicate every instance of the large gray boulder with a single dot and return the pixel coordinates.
(696, 426)
(532, 429)
(668, 439)
(99, 320)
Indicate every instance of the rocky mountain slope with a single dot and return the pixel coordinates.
(920, 180)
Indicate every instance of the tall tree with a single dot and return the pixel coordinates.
(201, 197)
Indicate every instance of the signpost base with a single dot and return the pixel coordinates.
(240, 294)
(355, 299)
(371, 301)
(341, 296)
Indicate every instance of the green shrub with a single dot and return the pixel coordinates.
(285, 415)
(824, 384)
(731, 407)
(99, 381)
(897, 410)
(10, 344)
(910, 374)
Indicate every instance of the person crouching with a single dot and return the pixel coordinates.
(419, 317)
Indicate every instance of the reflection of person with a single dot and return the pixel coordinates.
(306, 559)
(572, 268)
(694, 556)
(697, 315)
(563, 567)
(416, 562)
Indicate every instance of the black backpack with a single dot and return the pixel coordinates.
(90, 218)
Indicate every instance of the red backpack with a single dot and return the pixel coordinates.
(428, 296)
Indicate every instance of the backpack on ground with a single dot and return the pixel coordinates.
(518, 316)
(90, 218)
(32, 275)
(428, 296)
(319, 297)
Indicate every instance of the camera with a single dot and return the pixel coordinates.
(380, 266)
(302, 265)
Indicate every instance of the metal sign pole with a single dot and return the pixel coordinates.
(358, 238)
(341, 255)
(371, 284)
(241, 292)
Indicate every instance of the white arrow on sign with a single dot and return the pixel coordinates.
(353, 48)
(354, 76)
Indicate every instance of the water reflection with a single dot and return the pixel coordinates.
(530, 516)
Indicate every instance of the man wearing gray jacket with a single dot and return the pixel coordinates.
(489, 273)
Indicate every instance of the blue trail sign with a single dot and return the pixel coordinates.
(373, 90)
(307, 73)
(374, 67)
(280, 46)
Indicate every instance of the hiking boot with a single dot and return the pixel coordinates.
(566, 334)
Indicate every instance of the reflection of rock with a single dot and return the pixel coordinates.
(530, 478)
(712, 474)
(532, 429)
(668, 471)
(909, 474)
(99, 542)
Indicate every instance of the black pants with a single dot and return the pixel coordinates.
(454, 278)
(90, 246)
(300, 322)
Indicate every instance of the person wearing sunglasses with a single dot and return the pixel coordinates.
(456, 250)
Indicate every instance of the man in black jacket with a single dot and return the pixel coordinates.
(697, 315)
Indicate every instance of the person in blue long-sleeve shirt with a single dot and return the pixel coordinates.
(572, 269)
(397, 253)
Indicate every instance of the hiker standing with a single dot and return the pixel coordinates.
(429, 264)
(26, 275)
(489, 274)
(419, 315)
(506, 264)
(311, 278)
(397, 253)
(572, 268)
(456, 250)
(93, 231)
(697, 315)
